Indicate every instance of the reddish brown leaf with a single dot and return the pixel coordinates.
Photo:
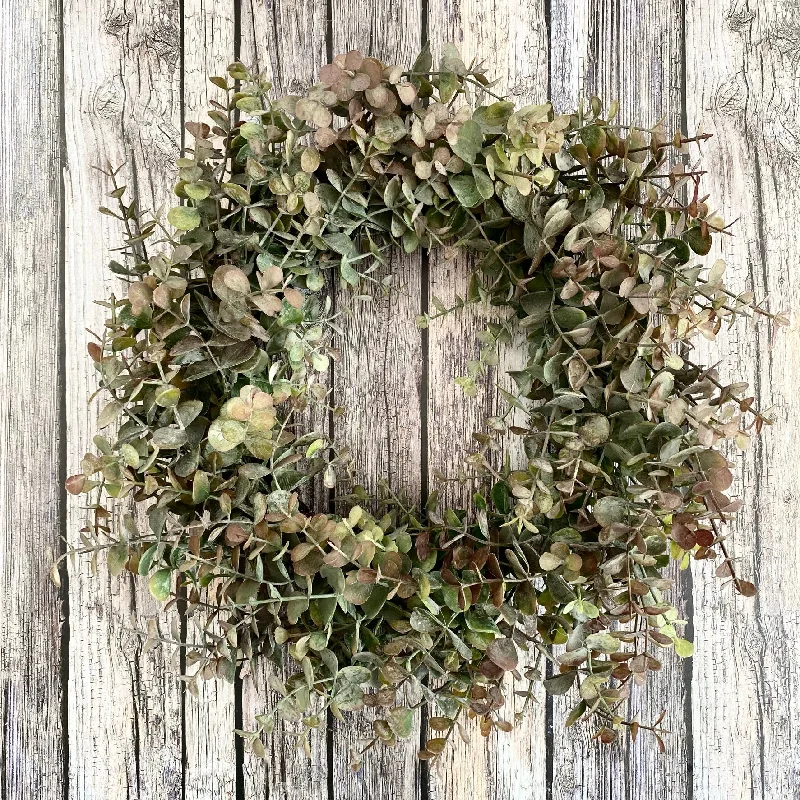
(503, 652)
(747, 589)
(75, 484)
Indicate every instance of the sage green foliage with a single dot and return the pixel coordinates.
(582, 236)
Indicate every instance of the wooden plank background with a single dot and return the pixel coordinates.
(86, 713)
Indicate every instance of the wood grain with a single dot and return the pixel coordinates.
(580, 768)
(122, 104)
(378, 381)
(31, 395)
(512, 38)
(287, 41)
(630, 52)
(210, 766)
(742, 86)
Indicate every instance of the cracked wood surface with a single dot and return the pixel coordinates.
(87, 714)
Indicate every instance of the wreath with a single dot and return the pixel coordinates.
(585, 235)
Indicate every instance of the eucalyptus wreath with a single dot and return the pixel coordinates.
(587, 238)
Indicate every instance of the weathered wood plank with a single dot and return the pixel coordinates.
(373, 380)
(647, 78)
(742, 86)
(210, 769)
(121, 93)
(287, 41)
(631, 52)
(569, 50)
(378, 381)
(122, 104)
(209, 46)
(512, 39)
(31, 392)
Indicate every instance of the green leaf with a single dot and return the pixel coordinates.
(252, 130)
(424, 60)
(548, 561)
(448, 86)
(568, 318)
(594, 137)
(610, 509)
(598, 222)
(198, 190)
(287, 710)
(169, 438)
(501, 497)
(160, 583)
(147, 558)
(596, 430)
(357, 593)
(167, 396)
(348, 273)
(348, 696)
(466, 190)
(376, 600)
(109, 414)
(423, 621)
(595, 199)
(516, 204)
(184, 218)
(536, 305)
(553, 368)
(559, 588)
(131, 455)
(390, 129)
(701, 244)
(401, 722)
(591, 686)
(557, 223)
(200, 487)
(341, 243)
(564, 399)
(237, 193)
(576, 713)
(683, 647)
(480, 622)
(238, 71)
(584, 610)
(634, 374)
(224, 435)
(451, 60)
(677, 247)
(464, 650)
(354, 674)
(469, 141)
(187, 412)
(117, 558)
(410, 241)
(560, 684)
(493, 118)
(483, 182)
(315, 447)
(602, 642)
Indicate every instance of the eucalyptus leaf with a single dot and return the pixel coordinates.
(469, 141)
(184, 218)
(160, 583)
(466, 191)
